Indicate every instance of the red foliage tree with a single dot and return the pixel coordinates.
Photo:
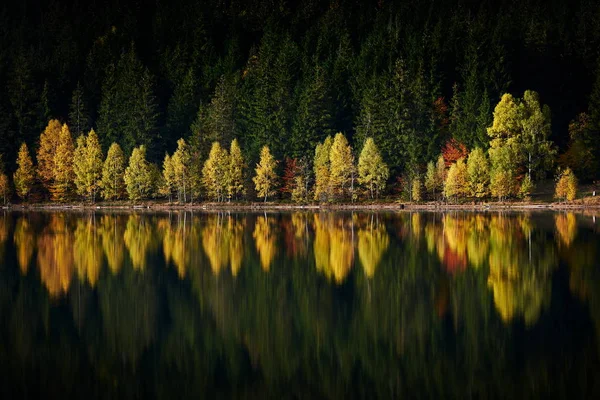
(453, 150)
(290, 172)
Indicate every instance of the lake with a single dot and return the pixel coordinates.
(299, 305)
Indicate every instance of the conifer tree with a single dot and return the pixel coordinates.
(49, 140)
(138, 176)
(78, 114)
(87, 165)
(214, 172)
(64, 176)
(24, 176)
(342, 165)
(113, 170)
(235, 173)
(181, 168)
(265, 177)
(372, 171)
(321, 167)
(478, 170)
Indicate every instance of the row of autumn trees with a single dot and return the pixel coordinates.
(520, 154)
(65, 169)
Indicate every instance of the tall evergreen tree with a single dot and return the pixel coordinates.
(79, 118)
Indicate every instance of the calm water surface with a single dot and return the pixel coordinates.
(299, 305)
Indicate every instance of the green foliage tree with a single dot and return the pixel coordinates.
(266, 177)
(478, 171)
(79, 119)
(113, 170)
(138, 176)
(566, 186)
(24, 176)
(321, 167)
(214, 172)
(87, 165)
(537, 151)
(342, 170)
(457, 184)
(372, 171)
(526, 188)
(235, 172)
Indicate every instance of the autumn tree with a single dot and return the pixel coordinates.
(430, 181)
(456, 185)
(581, 156)
(265, 178)
(342, 170)
(214, 172)
(321, 167)
(63, 177)
(566, 186)
(48, 144)
(537, 151)
(235, 171)
(181, 168)
(138, 175)
(372, 171)
(87, 165)
(478, 171)
(290, 171)
(168, 186)
(453, 150)
(415, 192)
(24, 176)
(113, 170)
(4, 185)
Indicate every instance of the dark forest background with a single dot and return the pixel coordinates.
(288, 73)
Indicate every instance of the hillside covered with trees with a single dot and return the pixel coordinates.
(307, 100)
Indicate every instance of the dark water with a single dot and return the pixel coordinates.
(300, 305)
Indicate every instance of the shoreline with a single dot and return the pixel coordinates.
(384, 206)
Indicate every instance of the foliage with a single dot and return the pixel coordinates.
(526, 188)
(24, 176)
(265, 178)
(113, 185)
(372, 171)
(566, 186)
(214, 172)
(4, 187)
(180, 162)
(168, 175)
(478, 170)
(49, 140)
(87, 165)
(416, 189)
(321, 167)
(63, 176)
(456, 185)
(235, 171)
(454, 151)
(342, 170)
(138, 175)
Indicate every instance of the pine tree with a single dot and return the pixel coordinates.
(64, 176)
(372, 171)
(478, 170)
(321, 167)
(235, 173)
(214, 172)
(342, 168)
(113, 170)
(49, 140)
(79, 119)
(265, 178)
(24, 176)
(138, 176)
(181, 167)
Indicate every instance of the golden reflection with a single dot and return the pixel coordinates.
(138, 239)
(566, 227)
(111, 229)
(88, 250)
(265, 239)
(455, 234)
(222, 240)
(24, 243)
(373, 241)
(334, 245)
(55, 256)
(478, 240)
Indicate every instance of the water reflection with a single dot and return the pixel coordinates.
(333, 300)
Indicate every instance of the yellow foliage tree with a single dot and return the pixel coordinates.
(566, 187)
(456, 185)
(181, 169)
(113, 171)
(342, 170)
(24, 176)
(372, 171)
(64, 176)
(214, 172)
(265, 178)
(168, 184)
(138, 175)
(49, 141)
(321, 169)
(235, 172)
(87, 165)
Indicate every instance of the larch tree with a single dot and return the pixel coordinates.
(138, 175)
(214, 172)
(64, 176)
(372, 171)
(440, 173)
(456, 185)
(430, 179)
(113, 170)
(478, 171)
(24, 176)
(321, 167)
(87, 165)
(265, 178)
(566, 186)
(181, 168)
(169, 178)
(49, 140)
(342, 170)
(235, 172)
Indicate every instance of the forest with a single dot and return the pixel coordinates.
(302, 100)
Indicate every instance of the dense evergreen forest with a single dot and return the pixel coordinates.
(415, 76)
